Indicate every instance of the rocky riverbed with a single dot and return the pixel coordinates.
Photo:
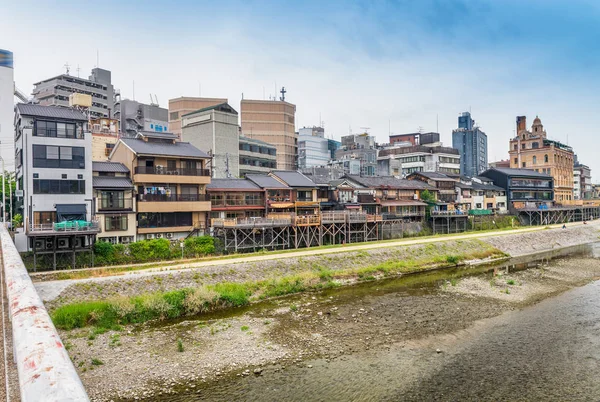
(149, 362)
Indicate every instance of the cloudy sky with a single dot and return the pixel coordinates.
(377, 64)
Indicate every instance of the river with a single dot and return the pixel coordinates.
(546, 351)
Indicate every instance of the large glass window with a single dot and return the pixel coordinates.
(54, 129)
(168, 219)
(50, 156)
(115, 222)
(41, 186)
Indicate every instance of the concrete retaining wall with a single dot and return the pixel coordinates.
(45, 371)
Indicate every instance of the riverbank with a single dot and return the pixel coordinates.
(145, 361)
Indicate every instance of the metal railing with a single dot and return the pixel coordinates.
(171, 171)
(43, 365)
(172, 197)
(66, 226)
(109, 204)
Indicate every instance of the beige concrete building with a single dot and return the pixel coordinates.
(185, 104)
(105, 134)
(533, 150)
(273, 122)
(170, 179)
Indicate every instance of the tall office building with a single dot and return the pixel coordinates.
(273, 122)
(7, 88)
(471, 142)
(55, 91)
(187, 104)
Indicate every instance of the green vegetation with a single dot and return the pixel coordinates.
(245, 328)
(510, 282)
(116, 311)
(97, 362)
(179, 345)
(293, 307)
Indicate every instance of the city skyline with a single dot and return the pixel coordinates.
(391, 65)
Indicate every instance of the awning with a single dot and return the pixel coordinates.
(70, 212)
(349, 206)
(282, 205)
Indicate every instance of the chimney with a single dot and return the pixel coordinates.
(521, 123)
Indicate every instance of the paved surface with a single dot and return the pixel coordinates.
(49, 290)
(8, 369)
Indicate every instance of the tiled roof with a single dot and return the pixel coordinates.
(264, 181)
(54, 112)
(111, 182)
(115, 167)
(154, 134)
(232, 184)
(224, 106)
(435, 176)
(521, 172)
(180, 149)
(293, 179)
(390, 182)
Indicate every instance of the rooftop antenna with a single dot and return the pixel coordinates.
(420, 130)
(283, 92)
(156, 98)
(67, 67)
(78, 71)
(275, 93)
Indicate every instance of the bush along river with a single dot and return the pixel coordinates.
(524, 329)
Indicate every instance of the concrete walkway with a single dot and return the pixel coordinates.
(49, 290)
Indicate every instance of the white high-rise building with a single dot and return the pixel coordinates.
(7, 88)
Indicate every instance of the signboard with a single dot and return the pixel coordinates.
(19, 193)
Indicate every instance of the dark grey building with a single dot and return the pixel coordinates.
(55, 91)
(471, 143)
(135, 116)
(525, 188)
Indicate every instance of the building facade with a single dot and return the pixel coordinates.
(471, 142)
(236, 198)
(7, 89)
(53, 160)
(55, 91)
(170, 179)
(358, 147)
(135, 116)
(415, 138)
(256, 156)
(313, 148)
(582, 182)
(114, 201)
(215, 131)
(186, 104)
(525, 188)
(105, 134)
(420, 158)
(273, 122)
(533, 150)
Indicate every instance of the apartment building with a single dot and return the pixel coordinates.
(274, 123)
(55, 91)
(236, 198)
(170, 179)
(443, 183)
(215, 131)
(582, 181)
(187, 104)
(304, 191)
(421, 158)
(525, 188)
(136, 116)
(256, 156)
(278, 195)
(53, 154)
(415, 138)
(533, 150)
(313, 147)
(114, 202)
(105, 134)
(478, 194)
(361, 148)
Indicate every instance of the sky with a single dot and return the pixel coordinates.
(389, 66)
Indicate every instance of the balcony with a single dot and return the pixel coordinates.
(147, 174)
(66, 227)
(171, 171)
(366, 199)
(173, 203)
(111, 205)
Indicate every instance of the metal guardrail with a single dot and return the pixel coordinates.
(75, 226)
(45, 370)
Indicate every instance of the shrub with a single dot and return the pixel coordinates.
(199, 300)
(283, 286)
(78, 315)
(233, 294)
(179, 345)
(199, 246)
(452, 259)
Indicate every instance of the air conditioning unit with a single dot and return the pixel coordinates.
(159, 235)
(150, 236)
(49, 244)
(169, 235)
(125, 239)
(40, 244)
(62, 242)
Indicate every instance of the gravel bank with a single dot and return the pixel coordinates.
(143, 362)
(534, 242)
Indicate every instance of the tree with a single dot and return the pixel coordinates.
(9, 181)
(428, 198)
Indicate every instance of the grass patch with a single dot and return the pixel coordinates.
(97, 362)
(510, 282)
(245, 328)
(179, 345)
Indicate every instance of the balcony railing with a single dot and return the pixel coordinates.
(366, 198)
(171, 171)
(172, 197)
(107, 204)
(66, 226)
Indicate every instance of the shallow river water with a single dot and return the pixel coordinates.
(545, 352)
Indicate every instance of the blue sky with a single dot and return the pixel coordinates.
(376, 64)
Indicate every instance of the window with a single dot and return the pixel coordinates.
(49, 156)
(535, 160)
(546, 158)
(64, 176)
(515, 147)
(516, 161)
(41, 217)
(535, 145)
(523, 146)
(174, 115)
(168, 219)
(115, 222)
(524, 164)
(54, 129)
(41, 186)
